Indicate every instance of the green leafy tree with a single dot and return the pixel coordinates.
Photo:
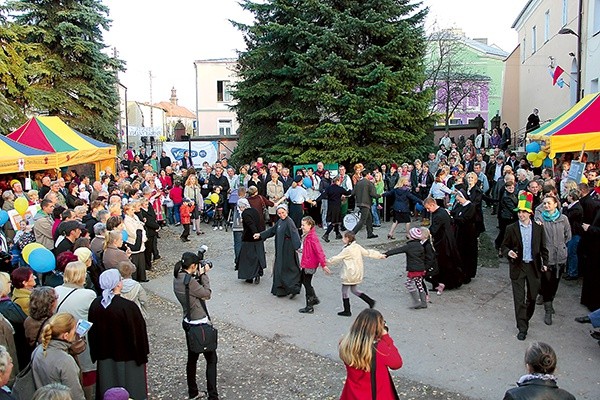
(67, 73)
(332, 80)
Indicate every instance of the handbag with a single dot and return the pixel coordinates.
(374, 380)
(200, 338)
(265, 210)
(24, 386)
(78, 346)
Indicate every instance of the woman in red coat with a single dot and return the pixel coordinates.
(369, 332)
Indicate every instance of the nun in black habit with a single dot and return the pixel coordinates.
(464, 215)
(449, 260)
(286, 269)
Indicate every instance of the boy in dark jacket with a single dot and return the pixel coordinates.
(415, 267)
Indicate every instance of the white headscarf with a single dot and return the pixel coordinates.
(109, 280)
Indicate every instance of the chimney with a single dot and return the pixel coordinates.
(173, 96)
(481, 40)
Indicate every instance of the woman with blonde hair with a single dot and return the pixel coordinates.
(193, 191)
(113, 254)
(401, 195)
(136, 239)
(73, 298)
(368, 345)
(51, 362)
(378, 203)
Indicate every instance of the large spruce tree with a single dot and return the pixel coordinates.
(67, 73)
(332, 80)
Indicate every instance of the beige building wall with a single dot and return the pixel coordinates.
(214, 77)
(510, 92)
(540, 46)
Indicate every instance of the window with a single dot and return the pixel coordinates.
(533, 39)
(547, 26)
(224, 91)
(225, 127)
(565, 12)
(455, 121)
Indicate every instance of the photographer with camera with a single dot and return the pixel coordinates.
(192, 287)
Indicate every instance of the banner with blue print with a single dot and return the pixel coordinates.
(201, 151)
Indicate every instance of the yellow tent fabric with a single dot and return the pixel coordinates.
(16, 157)
(577, 126)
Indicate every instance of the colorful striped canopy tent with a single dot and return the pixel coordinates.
(51, 134)
(577, 126)
(17, 157)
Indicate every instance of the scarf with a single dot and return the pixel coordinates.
(530, 377)
(550, 217)
(109, 280)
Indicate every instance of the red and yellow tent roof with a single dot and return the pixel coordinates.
(577, 126)
(52, 135)
(17, 157)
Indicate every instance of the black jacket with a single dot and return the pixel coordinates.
(538, 389)
(513, 241)
(415, 255)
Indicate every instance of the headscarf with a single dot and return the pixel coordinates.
(243, 204)
(109, 280)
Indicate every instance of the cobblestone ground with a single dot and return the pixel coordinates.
(250, 366)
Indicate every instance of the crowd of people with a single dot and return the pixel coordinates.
(104, 235)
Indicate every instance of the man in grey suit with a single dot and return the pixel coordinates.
(364, 192)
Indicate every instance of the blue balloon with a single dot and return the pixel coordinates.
(3, 217)
(547, 163)
(307, 182)
(42, 260)
(533, 147)
(124, 235)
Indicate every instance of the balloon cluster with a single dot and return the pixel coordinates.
(39, 258)
(538, 156)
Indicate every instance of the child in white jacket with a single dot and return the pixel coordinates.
(353, 270)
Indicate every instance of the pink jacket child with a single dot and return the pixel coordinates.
(312, 256)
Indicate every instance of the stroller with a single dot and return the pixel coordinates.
(208, 210)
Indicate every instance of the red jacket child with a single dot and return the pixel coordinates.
(312, 252)
(185, 212)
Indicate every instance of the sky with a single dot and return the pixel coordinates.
(167, 37)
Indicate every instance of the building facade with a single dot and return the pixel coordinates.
(214, 82)
(551, 37)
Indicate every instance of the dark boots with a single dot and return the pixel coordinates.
(346, 312)
(325, 237)
(309, 307)
(367, 300)
(549, 309)
(419, 300)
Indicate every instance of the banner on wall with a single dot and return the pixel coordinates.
(201, 151)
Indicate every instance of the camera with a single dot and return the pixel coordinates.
(204, 262)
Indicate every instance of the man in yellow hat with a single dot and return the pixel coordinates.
(17, 189)
(527, 256)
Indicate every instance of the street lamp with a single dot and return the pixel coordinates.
(569, 31)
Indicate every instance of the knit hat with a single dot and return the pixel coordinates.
(116, 393)
(525, 202)
(414, 233)
(83, 254)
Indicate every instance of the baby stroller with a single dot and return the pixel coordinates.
(208, 211)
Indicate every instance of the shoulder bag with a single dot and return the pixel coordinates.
(265, 210)
(24, 386)
(200, 338)
(374, 379)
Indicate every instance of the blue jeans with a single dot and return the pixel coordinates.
(572, 259)
(170, 214)
(375, 213)
(176, 213)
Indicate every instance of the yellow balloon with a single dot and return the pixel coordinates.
(537, 163)
(21, 205)
(214, 198)
(531, 157)
(541, 155)
(28, 249)
(552, 155)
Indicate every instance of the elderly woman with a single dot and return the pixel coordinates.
(260, 204)
(6, 369)
(51, 362)
(113, 254)
(251, 261)
(274, 193)
(23, 282)
(73, 298)
(136, 239)
(118, 339)
(286, 268)
(43, 303)
(15, 315)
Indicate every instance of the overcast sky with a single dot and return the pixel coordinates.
(166, 37)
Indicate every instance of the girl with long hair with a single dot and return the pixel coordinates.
(366, 345)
